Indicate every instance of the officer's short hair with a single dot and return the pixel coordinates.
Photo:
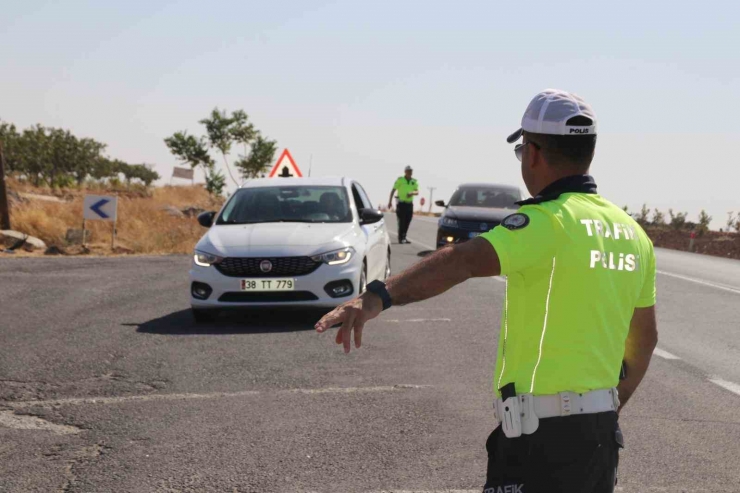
(567, 150)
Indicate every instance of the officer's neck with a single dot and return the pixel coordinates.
(555, 175)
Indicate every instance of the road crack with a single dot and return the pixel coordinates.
(84, 455)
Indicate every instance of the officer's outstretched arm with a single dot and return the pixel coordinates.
(641, 341)
(432, 276)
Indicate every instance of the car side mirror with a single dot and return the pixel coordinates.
(440, 203)
(370, 216)
(205, 219)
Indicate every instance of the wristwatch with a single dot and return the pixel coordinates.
(378, 287)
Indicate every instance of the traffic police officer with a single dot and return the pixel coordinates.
(578, 308)
(407, 188)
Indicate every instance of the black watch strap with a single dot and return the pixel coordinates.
(378, 287)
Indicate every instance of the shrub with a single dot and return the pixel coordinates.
(678, 220)
(732, 220)
(658, 218)
(642, 217)
(704, 220)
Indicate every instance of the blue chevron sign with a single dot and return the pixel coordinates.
(100, 207)
(96, 208)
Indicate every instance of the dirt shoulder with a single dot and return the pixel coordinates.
(160, 220)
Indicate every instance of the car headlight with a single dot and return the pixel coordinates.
(449, 222)
(206, 259)
(335, 257)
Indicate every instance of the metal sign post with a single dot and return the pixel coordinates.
(4, 207)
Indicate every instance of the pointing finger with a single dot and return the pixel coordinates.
(358, 333)
(346, 330)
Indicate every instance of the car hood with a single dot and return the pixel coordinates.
(478, 213)
(278, 234)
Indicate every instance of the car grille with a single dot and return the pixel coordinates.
(281, 266)
(477, 225)
(268, 297)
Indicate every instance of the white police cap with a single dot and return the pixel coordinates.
(549, 112)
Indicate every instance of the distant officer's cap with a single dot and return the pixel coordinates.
(551, 112)
(408, 168)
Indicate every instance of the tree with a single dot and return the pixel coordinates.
(259, 159)
(704, 221)
(189, 150)
(103, 168)
(33, 155)
(58, 158)
(732, 220)
(87, 156)
(642, 217)
(62, 147)
(137, 172)
(658, 218)
(146, 174)
(11, 142)
(223, 131)
(678, 220)
(193, 151)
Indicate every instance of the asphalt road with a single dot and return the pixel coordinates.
(107, 385)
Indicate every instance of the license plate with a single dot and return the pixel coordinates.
(474, 234)
(268, 284)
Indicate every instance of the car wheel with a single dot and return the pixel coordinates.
(388, 266)
(203, 316)
(363, 279)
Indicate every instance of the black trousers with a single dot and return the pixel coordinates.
(404, 213)
(573, 454)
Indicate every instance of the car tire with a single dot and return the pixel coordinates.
(202, 316)
(363, 279)
(387, 266)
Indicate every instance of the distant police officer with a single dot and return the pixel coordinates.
(407, 187)
(579, 300)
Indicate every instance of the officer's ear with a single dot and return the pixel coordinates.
(539, 159)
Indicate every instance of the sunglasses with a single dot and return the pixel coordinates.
(519, 149)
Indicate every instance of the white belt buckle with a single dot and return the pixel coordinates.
(510, 416)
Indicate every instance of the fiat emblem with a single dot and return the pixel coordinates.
(265, 266)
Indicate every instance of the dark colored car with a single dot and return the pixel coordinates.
(474, 209)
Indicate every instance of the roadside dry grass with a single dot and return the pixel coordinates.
(144, 223)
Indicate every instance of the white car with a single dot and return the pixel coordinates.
(307, 242)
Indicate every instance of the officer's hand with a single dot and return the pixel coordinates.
(390, 205)
(352, 315)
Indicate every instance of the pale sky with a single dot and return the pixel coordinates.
(366, 88)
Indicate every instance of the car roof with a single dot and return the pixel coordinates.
(488, 185)
(296, 182)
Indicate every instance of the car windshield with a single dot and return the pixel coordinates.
(494, 198)
(304, 204)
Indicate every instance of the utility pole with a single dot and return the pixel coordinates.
(431, 196)
(4, 209)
